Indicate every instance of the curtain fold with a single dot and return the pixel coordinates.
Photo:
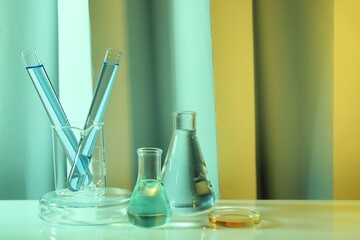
(168, 58)
(293, 47)
(25, 138)
(168, 67)
(171, 70)
(193, 74)
(75, 68)
(285, 90)
(232, 34)
(346, 100)
(109, 28)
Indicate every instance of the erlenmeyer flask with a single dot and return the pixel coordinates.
(184, 171)
(149, 205)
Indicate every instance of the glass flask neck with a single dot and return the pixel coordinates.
(149, 160)
(184, 121)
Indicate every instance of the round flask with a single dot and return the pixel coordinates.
(149, 205)
(184, 172)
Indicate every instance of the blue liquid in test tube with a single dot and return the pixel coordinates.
(53, 107)
(96, 115)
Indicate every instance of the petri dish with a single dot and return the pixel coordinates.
(76, 210)
(234, 217)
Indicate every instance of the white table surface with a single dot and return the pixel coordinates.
(281, 219)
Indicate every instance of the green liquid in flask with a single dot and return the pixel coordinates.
(149, 206)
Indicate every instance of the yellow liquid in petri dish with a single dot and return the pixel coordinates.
(234, 217)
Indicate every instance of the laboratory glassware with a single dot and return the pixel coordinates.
(149, 205)
(54, 110)
(184, 172)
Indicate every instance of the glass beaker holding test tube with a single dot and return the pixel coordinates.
(80, 196)
(94, 182)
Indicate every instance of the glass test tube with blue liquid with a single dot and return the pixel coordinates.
(96, 113)
(54, 110)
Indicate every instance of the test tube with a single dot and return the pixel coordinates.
(52, 106)
(96, 113)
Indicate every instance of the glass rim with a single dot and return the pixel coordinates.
(184, 113)
(75, 125)
(113, 56)
(28, 51)
(149, 150)
(30, 58)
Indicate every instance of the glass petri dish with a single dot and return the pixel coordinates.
(234, 217)
(79, 210)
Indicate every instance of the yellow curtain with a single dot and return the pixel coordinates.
(234, 83)
(325, 154)
(346, 99)
(334, 147)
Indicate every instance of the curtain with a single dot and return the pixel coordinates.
(293, 52)
(167, 67)
(63, 43)
(75, 69)
(287, 69)
(25, 136)
(275, 85)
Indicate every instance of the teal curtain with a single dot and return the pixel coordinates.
(171, 70)
(25, 138)
(170, 65)
(293, 44)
